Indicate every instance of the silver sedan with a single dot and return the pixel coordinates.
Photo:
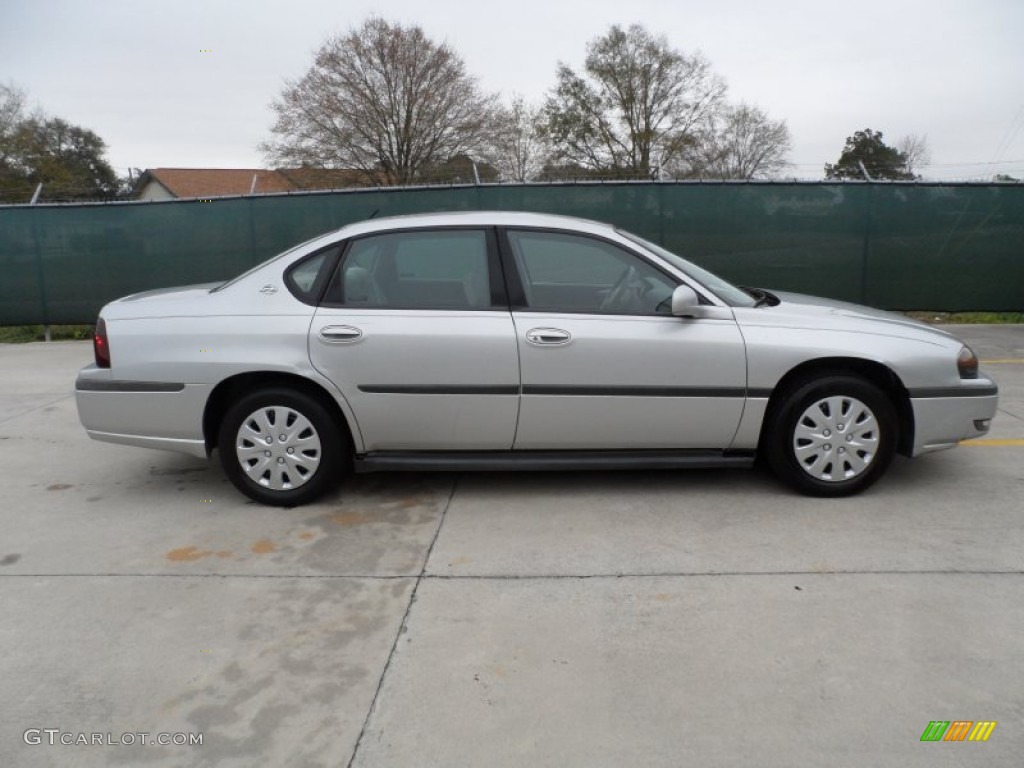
(480, 341)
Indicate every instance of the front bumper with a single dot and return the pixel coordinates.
(163, 415)
(942, 418)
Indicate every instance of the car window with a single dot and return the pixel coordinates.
(445, 269)
(301, 278)
(571, 273)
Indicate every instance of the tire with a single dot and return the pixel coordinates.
(299, 468)
(832, 436)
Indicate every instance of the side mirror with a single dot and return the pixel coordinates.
(685, 302)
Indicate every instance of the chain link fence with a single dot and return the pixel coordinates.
(905, 246)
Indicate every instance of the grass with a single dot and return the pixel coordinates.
(974, 318)
(17, 334)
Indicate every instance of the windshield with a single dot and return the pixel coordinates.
(724, 290)
(262, 264)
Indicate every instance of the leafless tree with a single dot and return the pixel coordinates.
(517, 148)
(383, 99)
(638, 102)
(915, 149)
(741, 143)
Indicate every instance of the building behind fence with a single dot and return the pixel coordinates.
(944, 247)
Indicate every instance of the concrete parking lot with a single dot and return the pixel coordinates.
(611, 619)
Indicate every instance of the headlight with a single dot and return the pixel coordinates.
(967, 363)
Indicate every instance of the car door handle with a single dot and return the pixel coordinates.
(340, 334)
(548, 336)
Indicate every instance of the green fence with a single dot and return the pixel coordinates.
(891, 245)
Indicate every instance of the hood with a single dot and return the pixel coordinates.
(798, 310)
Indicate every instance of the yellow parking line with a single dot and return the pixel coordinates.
(995, 443)
(1004, 361)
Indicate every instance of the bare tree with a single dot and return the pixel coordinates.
(915, 149)
(517, 148)
(383, 99)
(638, 102)
(742, 143)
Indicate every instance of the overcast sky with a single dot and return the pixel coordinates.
(134, 71)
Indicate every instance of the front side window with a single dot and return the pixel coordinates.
(571, 273)
(415, 270)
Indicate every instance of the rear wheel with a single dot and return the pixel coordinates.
(832, 436)
(280, 447)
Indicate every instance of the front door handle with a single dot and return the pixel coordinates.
(548, 336)
(340, 334)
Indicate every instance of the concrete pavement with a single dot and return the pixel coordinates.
(592, 619)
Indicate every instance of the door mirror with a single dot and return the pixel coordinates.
(685, 302)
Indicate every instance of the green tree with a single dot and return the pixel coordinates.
(637, 103)
(880, 160)
(67, 159)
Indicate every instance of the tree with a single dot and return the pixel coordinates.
(915, 149)
(66, 159)
(382, 99)
(638, 103)
(880, 160)
(742, 143)
(517, 147)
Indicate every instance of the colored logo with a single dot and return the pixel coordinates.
(958, 730)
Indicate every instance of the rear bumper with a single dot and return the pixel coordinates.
(163, 415)
(942, 418)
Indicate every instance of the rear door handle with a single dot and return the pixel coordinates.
(548, 336)
(340, 334)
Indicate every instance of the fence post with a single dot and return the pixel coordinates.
(39, 268)
(866, 251)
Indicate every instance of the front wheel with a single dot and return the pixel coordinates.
(280, 447)
(832, 436)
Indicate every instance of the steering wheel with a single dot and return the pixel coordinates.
(619, 292)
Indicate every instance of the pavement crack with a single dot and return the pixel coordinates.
(33, 410)
(402, 627)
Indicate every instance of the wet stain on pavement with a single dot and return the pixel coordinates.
(264, 547)
(157, 472)
(189, 554)
(9, 559)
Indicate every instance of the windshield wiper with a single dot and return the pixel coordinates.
(760, 297)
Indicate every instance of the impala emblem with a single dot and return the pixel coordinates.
(268, 289)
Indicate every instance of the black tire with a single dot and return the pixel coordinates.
(780, 450)
(330, 457)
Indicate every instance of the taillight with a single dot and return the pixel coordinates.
(100, 345)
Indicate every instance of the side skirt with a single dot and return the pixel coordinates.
(502, 461)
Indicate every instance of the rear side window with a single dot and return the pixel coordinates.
(445, 269)
(306, 278)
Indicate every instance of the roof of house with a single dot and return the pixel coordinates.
(224, 182)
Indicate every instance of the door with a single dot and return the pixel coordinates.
(604, 363)
(415, 330)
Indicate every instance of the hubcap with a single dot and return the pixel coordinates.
(282, 464)
(854, 448)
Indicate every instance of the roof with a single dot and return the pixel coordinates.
(227, 182)
(476, 218)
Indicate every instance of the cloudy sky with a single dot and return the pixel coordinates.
(137, 73)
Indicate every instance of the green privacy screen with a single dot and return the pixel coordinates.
(890, 245)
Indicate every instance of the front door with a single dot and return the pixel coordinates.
(415, 332)
(604, 363)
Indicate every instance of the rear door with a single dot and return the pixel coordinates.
(416, 332)
(604, 363)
